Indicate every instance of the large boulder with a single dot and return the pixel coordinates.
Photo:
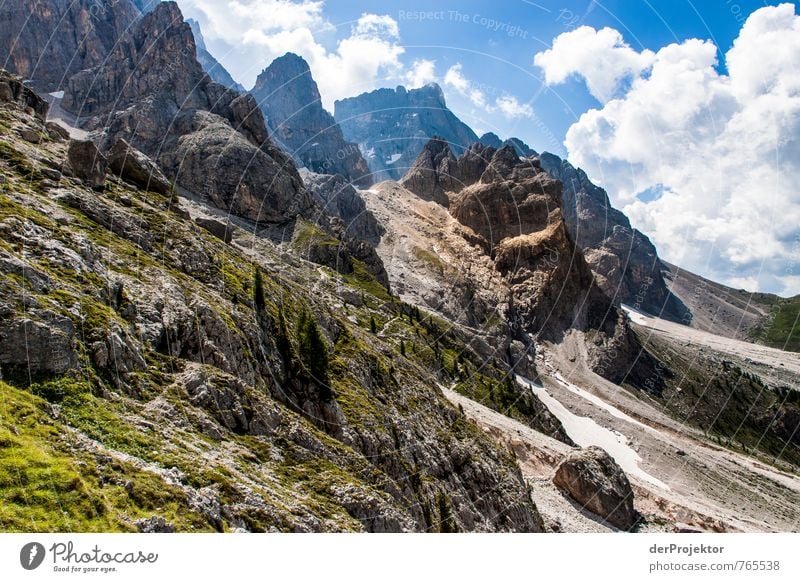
(213, 160)
(87, 163)
(136, 168)
(43, 344)
(592, 478)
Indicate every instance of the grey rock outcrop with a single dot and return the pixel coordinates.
(13, 90)
(43, 343)
(87, 163)
(393, 126)
(292, 106)
(595, 481)
(136, 168)
(337, 197)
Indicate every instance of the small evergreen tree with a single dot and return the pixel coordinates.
(402, 348)
(258, 291)
(314, 352)
(372, 325)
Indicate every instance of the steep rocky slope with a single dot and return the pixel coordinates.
(292, 106)
(392, 126)
(156, 377)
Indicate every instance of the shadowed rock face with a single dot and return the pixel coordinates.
(152, 92)
(292, 106)
(593, 479)
(623, 260)
(393, 126)
(48, 41)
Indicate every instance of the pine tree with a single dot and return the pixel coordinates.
(314, 352)
(258, 291)
(372, 325)
(402, 348)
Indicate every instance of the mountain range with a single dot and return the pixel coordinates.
(368, 321)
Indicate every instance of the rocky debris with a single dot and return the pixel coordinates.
(134, 167)
(392, 126)
(219, 229)
(48, 41)
(155, 524)
(595, 481)
(86, 163)
(624, 261)
(40, 343)
(13, 90)
(210, 65)
(292, 106)
(337, 197)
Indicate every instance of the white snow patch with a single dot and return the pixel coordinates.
(393, 158)
(586, 432)
(635, 316)
(57, 94)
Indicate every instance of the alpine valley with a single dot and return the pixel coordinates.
(230, 310)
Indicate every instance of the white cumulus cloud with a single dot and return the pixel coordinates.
(255, 32)
(601, 57)
(421, 72)
(507, 105)
(721, 150)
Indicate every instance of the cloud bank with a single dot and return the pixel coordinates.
(707, 164)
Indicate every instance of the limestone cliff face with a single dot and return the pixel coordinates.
(152, 91)
(625, 262)
(515, 210)
(292, 106)
(48, 41)
(392, 126)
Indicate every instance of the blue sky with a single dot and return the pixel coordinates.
(687, 112)
(495, 42)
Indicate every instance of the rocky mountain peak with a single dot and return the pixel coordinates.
(392, 126)
(292, 105)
